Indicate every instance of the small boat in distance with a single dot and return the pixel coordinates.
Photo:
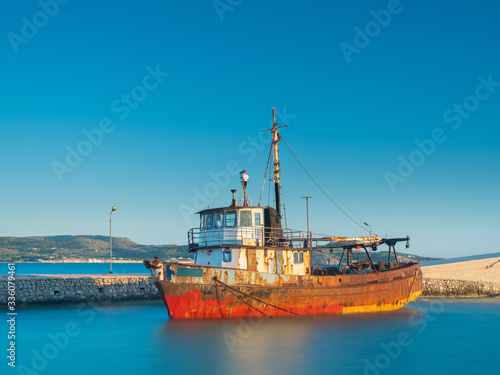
(247, 264)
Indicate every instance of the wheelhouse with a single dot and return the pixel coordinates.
(249, 238)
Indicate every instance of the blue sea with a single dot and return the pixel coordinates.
(451, 336)
(73, 268)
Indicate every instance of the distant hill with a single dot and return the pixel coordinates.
(26, 249)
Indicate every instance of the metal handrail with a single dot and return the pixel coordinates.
(248, 236)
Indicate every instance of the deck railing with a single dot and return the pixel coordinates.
(248, 236)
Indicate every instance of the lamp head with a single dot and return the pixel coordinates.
(243, 175)
(114, 208)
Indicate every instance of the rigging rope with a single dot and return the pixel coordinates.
(299, 160)
(413, 283)
(269, 194)
(217, 281)
(283, 199)
(218, 301)
(265, 174)
(245, 302)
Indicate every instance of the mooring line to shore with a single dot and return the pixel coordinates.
(218, 300)
(413, 283)
(492, 264)
(231, 290)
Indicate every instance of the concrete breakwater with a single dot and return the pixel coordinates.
(458, 288)
(48, 289)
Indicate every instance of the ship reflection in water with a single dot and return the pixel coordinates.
(427, 338)
(289, 344)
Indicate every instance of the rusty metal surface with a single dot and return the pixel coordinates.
(198, 296)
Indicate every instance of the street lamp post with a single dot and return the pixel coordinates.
(307, 210)
(111, 242)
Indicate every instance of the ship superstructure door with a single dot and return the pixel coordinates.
(270, 265)
(252, 260)
(273, 232)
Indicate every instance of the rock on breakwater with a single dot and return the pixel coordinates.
(459, 288)
(47, 289)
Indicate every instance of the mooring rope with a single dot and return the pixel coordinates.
(230, 291)
(218, 301)
(492, 264)
(413, 283)
(246, 303)
(217, 281)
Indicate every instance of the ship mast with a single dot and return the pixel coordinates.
(276, 160)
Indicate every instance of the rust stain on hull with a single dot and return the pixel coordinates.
(243, 293)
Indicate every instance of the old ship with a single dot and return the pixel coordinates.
(247, 264)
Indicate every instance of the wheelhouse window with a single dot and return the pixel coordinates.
(230, 218)
(209, 221)
(246, 218)
(226, 256)
(298, 258)
(258, 223)
(202, 221)
(219, 217)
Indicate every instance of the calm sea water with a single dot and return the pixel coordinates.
(73, 268)
(453, 336)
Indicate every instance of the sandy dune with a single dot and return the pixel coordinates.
(473, 270)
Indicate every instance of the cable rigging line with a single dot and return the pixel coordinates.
(265, 174)
(269, 194)
(297, 158)
(283, 198)
(340, 200)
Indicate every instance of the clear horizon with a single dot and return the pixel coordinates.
(156, 107)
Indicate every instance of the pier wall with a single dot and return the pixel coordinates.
(40, 289)
(458, 288)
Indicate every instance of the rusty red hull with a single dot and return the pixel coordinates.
(242, 293)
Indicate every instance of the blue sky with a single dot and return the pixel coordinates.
(140, 105)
